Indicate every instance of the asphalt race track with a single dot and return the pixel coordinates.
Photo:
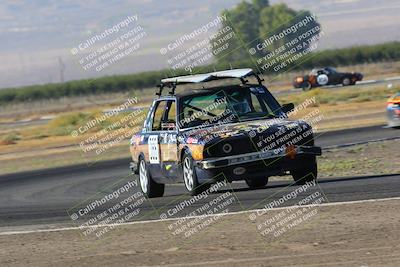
(45, 196)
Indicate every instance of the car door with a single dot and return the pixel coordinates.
(333, 76)
(168, 142)
(161, 139)
(152, 138)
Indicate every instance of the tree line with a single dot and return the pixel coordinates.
(252, 22)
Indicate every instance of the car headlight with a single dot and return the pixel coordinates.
(227, 148)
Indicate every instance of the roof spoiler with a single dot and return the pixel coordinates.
(207, 77)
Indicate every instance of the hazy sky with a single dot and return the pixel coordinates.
(37, 35)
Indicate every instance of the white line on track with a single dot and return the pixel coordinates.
(192, 217)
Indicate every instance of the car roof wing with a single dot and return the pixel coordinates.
(212, 76)
(198, 78)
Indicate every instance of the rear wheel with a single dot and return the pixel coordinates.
(190, 178)
(257, 182)
(149, 188)
(305, 175)
(346, 81)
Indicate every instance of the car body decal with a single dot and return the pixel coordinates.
(154, 151)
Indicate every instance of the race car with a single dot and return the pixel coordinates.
(326, 76)
(226, 133)
(393, 111)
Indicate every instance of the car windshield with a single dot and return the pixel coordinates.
(330, 69)
(324, 70)
(228, 105)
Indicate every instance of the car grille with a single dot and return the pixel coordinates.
(245, 144)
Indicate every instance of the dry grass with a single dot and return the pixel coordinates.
(46, 152)
(36, 109)
(340, 107)
(346, 112)
(365, 159)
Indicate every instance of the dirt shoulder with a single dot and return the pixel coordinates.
(367, 159)
(361, 234)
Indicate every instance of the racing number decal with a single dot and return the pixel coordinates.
(154, 151)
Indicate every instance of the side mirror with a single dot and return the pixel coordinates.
(287, 108)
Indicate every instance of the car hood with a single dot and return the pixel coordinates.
(255, 129)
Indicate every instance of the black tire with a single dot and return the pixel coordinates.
(303, 176)
(346, 81)
(149, 187)
(189, 176)
(307, 86)
(254, 183)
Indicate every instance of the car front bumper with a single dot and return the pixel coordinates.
(213, 163)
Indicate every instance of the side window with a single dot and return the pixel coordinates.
(171, 112)
(164, 118)
(169, 120)
(158, 115)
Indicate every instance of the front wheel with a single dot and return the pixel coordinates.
(149, 188)
(190, 178)
(305, 175)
